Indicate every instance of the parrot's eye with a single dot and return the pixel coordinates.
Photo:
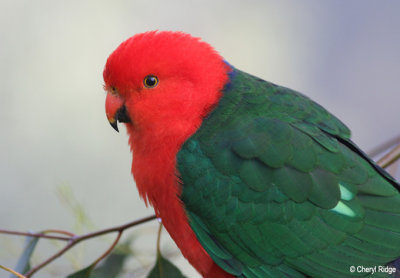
(113, 90)
(150, 81)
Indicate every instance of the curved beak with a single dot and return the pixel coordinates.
(116, 111)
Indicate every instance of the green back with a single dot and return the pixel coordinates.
(273, 187)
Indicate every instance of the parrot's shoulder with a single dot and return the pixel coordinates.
(246, 96)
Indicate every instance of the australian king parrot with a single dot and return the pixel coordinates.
(249, 178)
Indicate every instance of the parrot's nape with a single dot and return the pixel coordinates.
(249, 178)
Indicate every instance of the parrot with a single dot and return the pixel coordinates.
(249, 178)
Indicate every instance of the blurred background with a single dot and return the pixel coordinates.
(61, 164)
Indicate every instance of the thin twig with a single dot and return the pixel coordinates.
(41, 235)
(12, 271)
(52, 231)
(109, 250)
(159, 240)
(386, 145)
(118, 228)
(390, 157)
(76, 239)
(160, 269)
(52, 258)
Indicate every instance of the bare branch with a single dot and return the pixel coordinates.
(76, 239)
(118, 228)
(52, 258)
(159, 240)
(73, 240)
(159, 250)
(41, 235)
(390, 157)
(51, 231)
(386, 145)
(12, 271)
(109, 250)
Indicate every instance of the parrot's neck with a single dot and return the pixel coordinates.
(155, 173)
(153, 164)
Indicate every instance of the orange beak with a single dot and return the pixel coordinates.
(116, 111)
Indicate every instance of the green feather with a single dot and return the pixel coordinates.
(293, 183)
(325, 191)
(256, 175)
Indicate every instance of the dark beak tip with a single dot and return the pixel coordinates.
(120, 116)
(114, 125)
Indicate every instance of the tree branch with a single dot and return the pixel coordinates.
(41, 235)
(12, 271)
(386, 145)
(390, 157)
(159, 240)
(109, 249)
(76, 239)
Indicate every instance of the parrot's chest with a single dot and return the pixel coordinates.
(158, 184)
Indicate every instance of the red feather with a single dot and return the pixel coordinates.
(191, 76)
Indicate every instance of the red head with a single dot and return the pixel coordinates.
(166, 81)
(162, 85)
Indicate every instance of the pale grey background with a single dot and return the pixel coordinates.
(343, 54)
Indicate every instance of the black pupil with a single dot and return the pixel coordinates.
(151, 81)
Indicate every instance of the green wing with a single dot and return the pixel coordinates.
(273, 187)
